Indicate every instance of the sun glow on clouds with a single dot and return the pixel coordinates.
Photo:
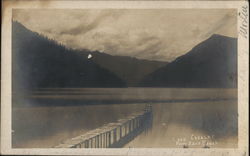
(160, 34)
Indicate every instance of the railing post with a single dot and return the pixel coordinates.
(86, 144)
(132, 124)
(82, 144)
(120, 131)
(100, 140)
(115, 133)
(125, 128)
(90, 143)
(97, 141)
(106, 134)
(104, 140)
(136, 122)
(109, 134)
(129, 125)
(139, 122)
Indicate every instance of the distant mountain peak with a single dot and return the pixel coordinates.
(219, 36)
(212, 63)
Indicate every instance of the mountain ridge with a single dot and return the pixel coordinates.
(33, 45)
(129, 69)
(211, 63)
(42, 62)
(39, 63)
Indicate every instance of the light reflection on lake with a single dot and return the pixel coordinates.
(177, 114)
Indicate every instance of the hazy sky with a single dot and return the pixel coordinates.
(158, 34)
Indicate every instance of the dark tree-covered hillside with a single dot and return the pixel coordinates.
(39, 62)
(129, 69)
(212, 64)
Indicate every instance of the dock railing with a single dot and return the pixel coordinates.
(113, 135)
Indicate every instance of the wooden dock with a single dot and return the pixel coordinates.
(113, 135)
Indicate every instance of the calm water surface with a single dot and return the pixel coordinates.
(181, 117)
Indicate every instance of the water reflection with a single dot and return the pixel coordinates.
(177, 114)
(191, 125)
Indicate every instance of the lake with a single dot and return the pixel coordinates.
(182, 117)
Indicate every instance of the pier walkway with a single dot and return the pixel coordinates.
(113, 135)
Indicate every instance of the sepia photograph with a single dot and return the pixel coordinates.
(127, 78)
(117, 78)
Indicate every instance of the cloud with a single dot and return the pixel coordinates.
(156, 34)
(222, 25)
(82, 28)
